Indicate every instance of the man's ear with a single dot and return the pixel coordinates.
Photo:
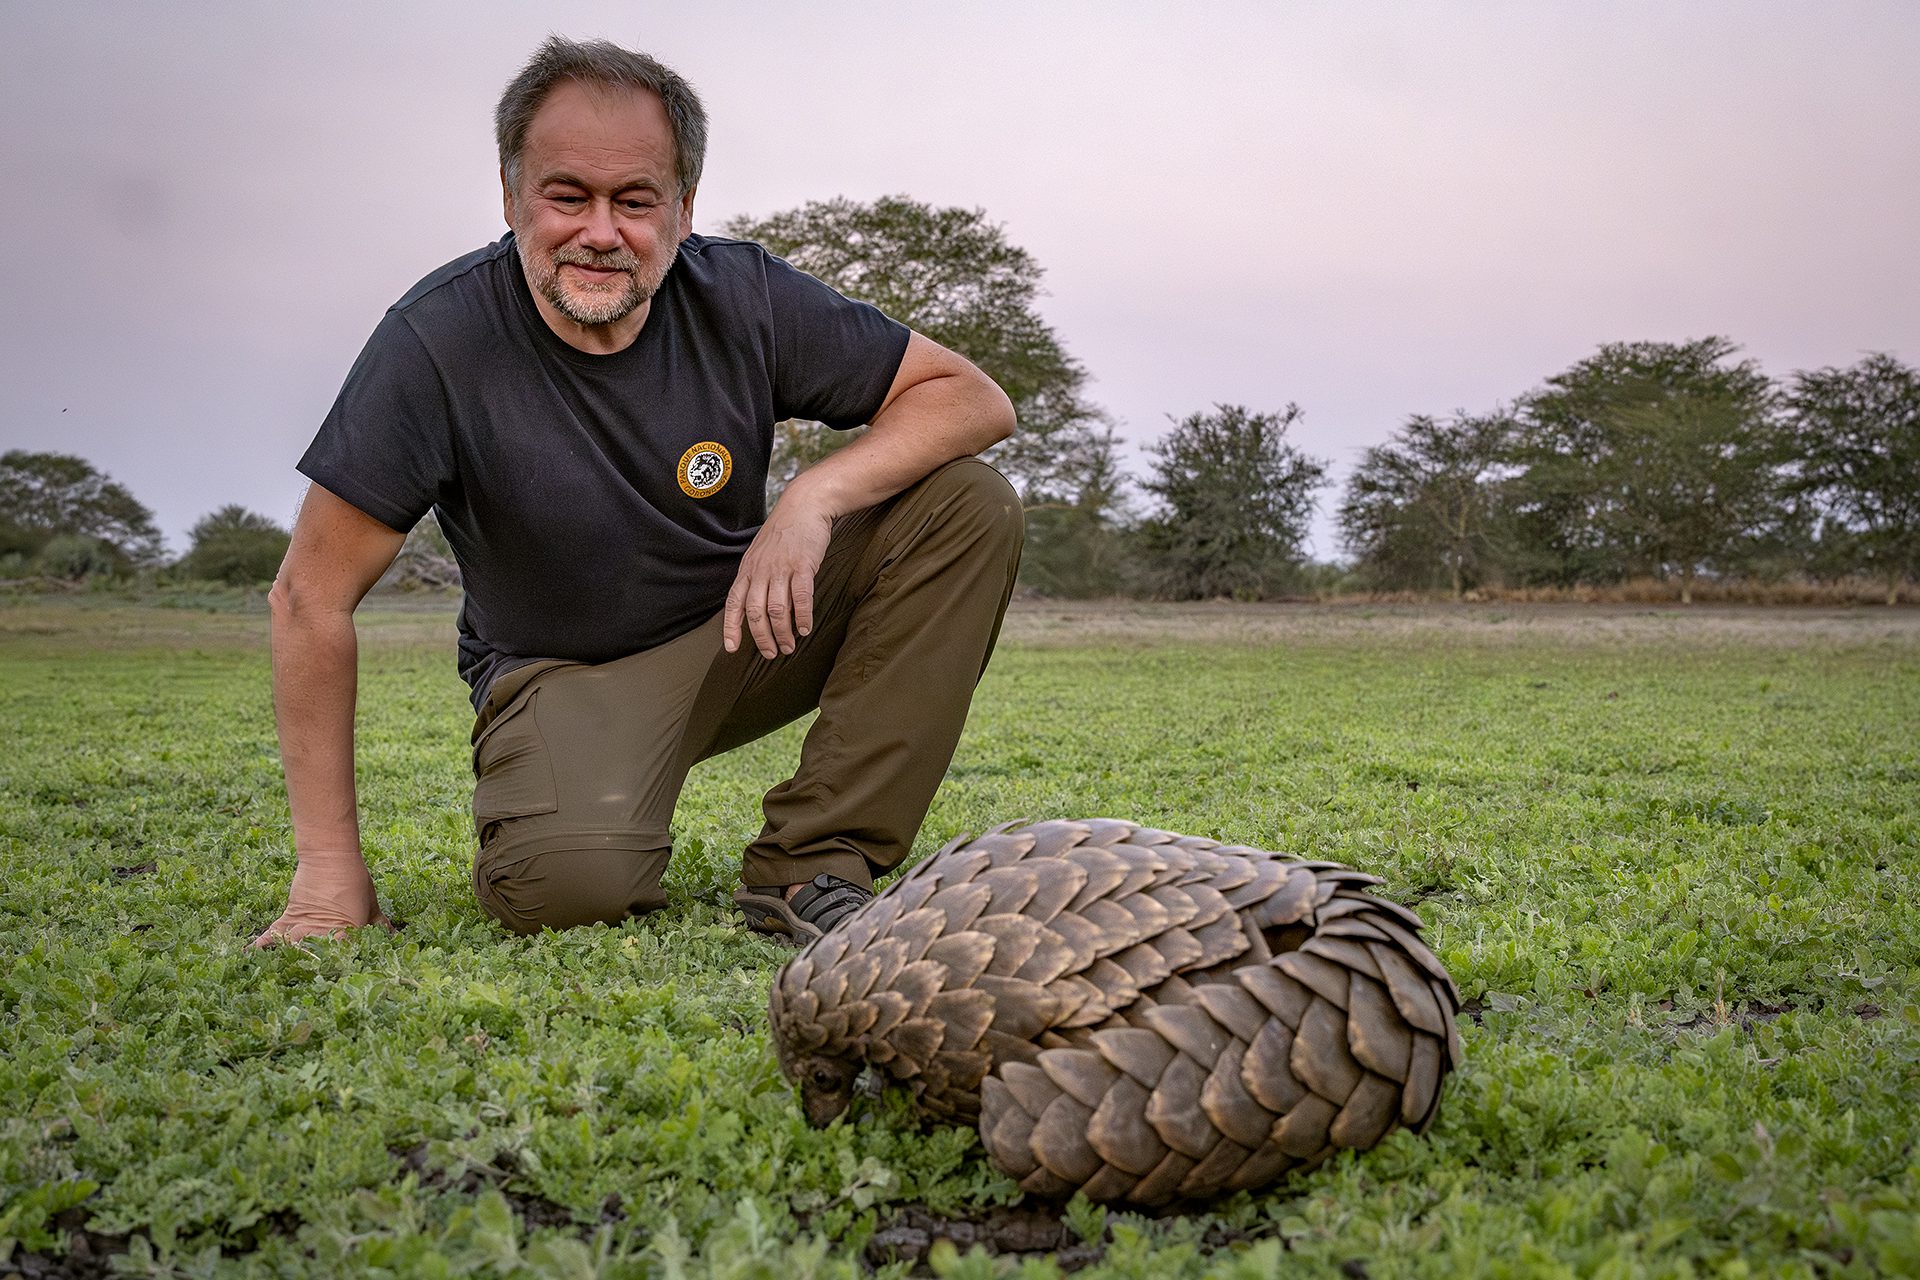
(506, 198)
(686, 212)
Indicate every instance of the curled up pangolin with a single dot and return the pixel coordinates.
(1142, 1016)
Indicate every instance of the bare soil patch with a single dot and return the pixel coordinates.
(110, 624)
(1025, 1231)
(407, 621)
(1069, 623)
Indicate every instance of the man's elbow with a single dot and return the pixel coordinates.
(996, 417)
(293, 603)
(280, 598)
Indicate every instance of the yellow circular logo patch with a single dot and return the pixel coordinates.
(705, 469)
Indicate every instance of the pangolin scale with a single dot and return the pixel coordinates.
(1142, 1016)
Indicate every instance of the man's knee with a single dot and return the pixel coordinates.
(564, 888)
(975, 494)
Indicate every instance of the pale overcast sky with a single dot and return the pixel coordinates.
(1371, 209)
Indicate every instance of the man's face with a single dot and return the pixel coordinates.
(598, 214)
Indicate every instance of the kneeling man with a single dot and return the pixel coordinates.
(588, 407)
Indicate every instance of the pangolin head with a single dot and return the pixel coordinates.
(823, 1068)
(826, 1087)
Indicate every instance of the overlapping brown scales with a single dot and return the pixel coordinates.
(1138, 1052)
(1224, 938)
(1173, 1109)
(1059, 1140)
(1228, 1105)
(965, 956)
(914, 931)
(1015, 938)
(1232, 1008)
(1266, 1072)
(960, 903)
(1139, 1015)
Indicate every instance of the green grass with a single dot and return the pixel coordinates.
(1674, 865)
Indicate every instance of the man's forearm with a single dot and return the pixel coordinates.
(315, 657)
(927, 425)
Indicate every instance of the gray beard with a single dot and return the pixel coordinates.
(599, 307)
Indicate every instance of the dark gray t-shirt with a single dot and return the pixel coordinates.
(597, 505)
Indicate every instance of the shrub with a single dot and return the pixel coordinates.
(75, 557)
(235, 546)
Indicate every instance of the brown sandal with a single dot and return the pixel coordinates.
(822, 903)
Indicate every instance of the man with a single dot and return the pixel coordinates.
(588, 407)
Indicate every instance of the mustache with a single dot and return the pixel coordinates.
(619, 260)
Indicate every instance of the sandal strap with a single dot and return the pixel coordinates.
(825, 900)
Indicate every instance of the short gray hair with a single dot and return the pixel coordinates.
(600, 64)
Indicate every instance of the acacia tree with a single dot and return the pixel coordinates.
(1647, 456)
(1700, 483)
(1422, 509)
(1237, 500)
(44, 496)
(953, 276)
(235, 545)
(1857, 436)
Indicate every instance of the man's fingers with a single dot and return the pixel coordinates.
(803, 603)
(736, 609)
(291, 927)
(780, 613)
(756, 609)
(772, 595)
(777, 612)
(277, 932)
(284, 930)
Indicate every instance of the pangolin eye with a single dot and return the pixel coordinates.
(823, 1077)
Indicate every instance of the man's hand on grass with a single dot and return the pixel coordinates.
(331, 893)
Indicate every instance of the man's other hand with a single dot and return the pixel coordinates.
(772, 595)
(330, 895)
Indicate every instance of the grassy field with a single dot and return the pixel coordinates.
(1672, 858)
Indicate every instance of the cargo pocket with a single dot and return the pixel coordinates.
(513, 774)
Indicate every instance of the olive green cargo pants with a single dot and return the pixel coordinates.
(577, 766)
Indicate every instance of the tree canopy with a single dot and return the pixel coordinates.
(1648, 457)
(1857, 436)
(1422, 510)
(953, 276)
(1237, 498)
(48, 495)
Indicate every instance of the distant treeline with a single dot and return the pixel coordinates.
(1662, 462)
(64, 524)
(1669, 462)
(63, 521)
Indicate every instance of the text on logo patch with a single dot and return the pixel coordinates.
(704, 469)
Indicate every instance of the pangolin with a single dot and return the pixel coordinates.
(1142, 1016)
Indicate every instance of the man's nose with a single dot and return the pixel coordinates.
(599, 232)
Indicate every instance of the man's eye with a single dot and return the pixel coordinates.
(569, 199)
(637, 206)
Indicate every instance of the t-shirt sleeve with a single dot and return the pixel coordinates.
(834, 358)
(387, 445)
